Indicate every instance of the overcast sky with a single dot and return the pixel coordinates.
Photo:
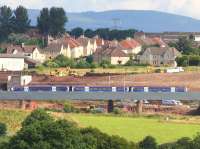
(183, 7)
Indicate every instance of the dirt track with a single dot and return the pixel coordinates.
(190, 80)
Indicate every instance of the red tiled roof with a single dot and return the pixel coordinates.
(129, 43)
(158, 41)
(110, 51)
(99, 42)
(20, 49)
(71, 42)
(151, 41)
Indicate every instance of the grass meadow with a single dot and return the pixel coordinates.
(132, 128)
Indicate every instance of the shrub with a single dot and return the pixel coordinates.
(3, 129)
(184, 143)
(191, 60)
(158, 71)
(104, 141)
(148, 143)
(63, 61)
(90, 59)
(93, 65)
(105, 64)
(82, 64)
(117, 111)
(68, 108)
(2, 50)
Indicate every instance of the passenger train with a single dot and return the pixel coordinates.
(63, 88)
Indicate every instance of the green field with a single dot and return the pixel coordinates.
(131, 128)
(135, 129)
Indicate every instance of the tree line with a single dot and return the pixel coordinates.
(105, 33)
(49, 22)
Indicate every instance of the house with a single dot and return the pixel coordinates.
(99, 41)
(66, 46)
(113, 54)
(141, 38)
(32, 52)
(88, 44)
(197, 38)
(15, 62)
(131, 46)
(158, 56)
(70, 45)
(139, 35)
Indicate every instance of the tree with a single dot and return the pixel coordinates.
(184, 143)
(43, 21)
(5, 22)
(57, 21)
(63, 61)
(104, 141)
(3, 129)
(50, 134)
(184, 45)
(21, 20)
(148, 143)
(89, 33)
(37, 116)
(77, 32)
(103, 33)
(90, 59)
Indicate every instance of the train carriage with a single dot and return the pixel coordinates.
(57, 88)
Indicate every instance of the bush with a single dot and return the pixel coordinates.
(191, 60)
(104, 141)
(117, 111)
(158, 71)
(63, 61)
(93, 65)
(184, 143)
(148, 143)
(2, 50)
(105, 64)
(89, 59)
(68, 108)
(3, 129)
(82, 64)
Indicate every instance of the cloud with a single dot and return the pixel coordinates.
(182, 7)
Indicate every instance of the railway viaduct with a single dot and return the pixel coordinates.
(106, 96)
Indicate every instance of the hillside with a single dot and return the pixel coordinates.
(148, 21)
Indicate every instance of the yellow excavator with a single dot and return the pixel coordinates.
(61, 72)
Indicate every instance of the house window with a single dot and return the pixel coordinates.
(119, 62)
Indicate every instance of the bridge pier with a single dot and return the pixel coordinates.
(110, 106)
(139, 107)
(22, 104)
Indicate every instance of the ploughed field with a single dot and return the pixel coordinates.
(191, 80)
(131, 128)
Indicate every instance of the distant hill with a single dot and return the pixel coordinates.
(148, 21)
